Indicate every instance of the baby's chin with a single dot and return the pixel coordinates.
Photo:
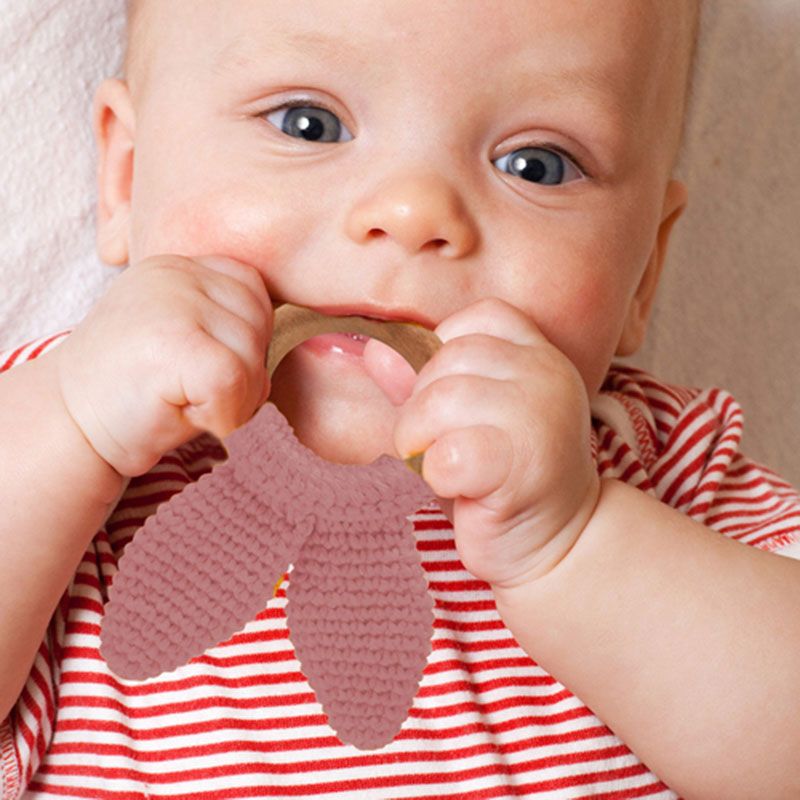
(334, 408)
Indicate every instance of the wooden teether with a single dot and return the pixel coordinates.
(295, 324)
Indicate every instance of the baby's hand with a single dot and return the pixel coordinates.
(504, 419)
(174, 348)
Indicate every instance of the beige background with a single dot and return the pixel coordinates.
(728, 313)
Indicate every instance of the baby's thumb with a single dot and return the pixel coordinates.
(393, 374)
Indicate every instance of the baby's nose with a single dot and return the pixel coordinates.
(419, 210)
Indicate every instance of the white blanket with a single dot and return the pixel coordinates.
(53, 53)
(729, 306)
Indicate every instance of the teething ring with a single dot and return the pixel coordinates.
(295, 324)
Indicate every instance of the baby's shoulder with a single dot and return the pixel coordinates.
(651, 414)
(683, 445)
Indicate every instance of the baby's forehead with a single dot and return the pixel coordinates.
(613, 46)
(497, 28)
(356, 14)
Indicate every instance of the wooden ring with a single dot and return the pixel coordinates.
(295, 324)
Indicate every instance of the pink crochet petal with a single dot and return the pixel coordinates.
(359, 612)
(204, 565)
(206, 562)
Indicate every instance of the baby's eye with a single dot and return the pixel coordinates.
(312, 123)
(537, 165)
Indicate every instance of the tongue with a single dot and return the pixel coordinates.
(393, 374)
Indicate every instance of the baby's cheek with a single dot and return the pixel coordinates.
(219, 225)
(585, 325)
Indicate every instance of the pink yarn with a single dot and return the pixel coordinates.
(205, 563)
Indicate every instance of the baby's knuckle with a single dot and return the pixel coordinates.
(181, 341)
(548, 360)
(432, 397)
(230, 376)
(251, 336)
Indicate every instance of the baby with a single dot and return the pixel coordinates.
(501, 173)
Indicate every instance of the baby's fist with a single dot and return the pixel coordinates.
(175, 347)
(503, 417)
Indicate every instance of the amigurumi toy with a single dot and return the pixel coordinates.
(204, 564)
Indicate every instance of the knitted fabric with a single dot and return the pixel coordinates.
(205, 564)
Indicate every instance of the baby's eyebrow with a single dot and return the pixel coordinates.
(590, 82)
(243, 51)
(583, 80)
(593, 82)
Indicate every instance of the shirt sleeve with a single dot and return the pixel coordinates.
(31, 350)
(790, 550)
(26, 732)
(682, 445)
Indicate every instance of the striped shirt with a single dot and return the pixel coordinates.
(241, 721)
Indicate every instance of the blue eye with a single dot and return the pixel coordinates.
(312, 123)
(537, 165)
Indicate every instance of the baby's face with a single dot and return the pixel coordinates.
(408, 157)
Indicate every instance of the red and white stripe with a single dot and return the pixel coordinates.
(242, 721)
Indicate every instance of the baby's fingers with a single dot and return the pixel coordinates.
(486, 410)
(241, 290)
(226, 379)
(468, 462)
(393, 374)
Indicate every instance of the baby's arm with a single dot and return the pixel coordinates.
(174, 348)
(684, 642)
(55, 493)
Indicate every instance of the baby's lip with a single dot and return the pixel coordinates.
(377, 312)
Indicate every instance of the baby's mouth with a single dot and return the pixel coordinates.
(349, 344)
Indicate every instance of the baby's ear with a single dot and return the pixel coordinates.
(635, 328)
(114, 124)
